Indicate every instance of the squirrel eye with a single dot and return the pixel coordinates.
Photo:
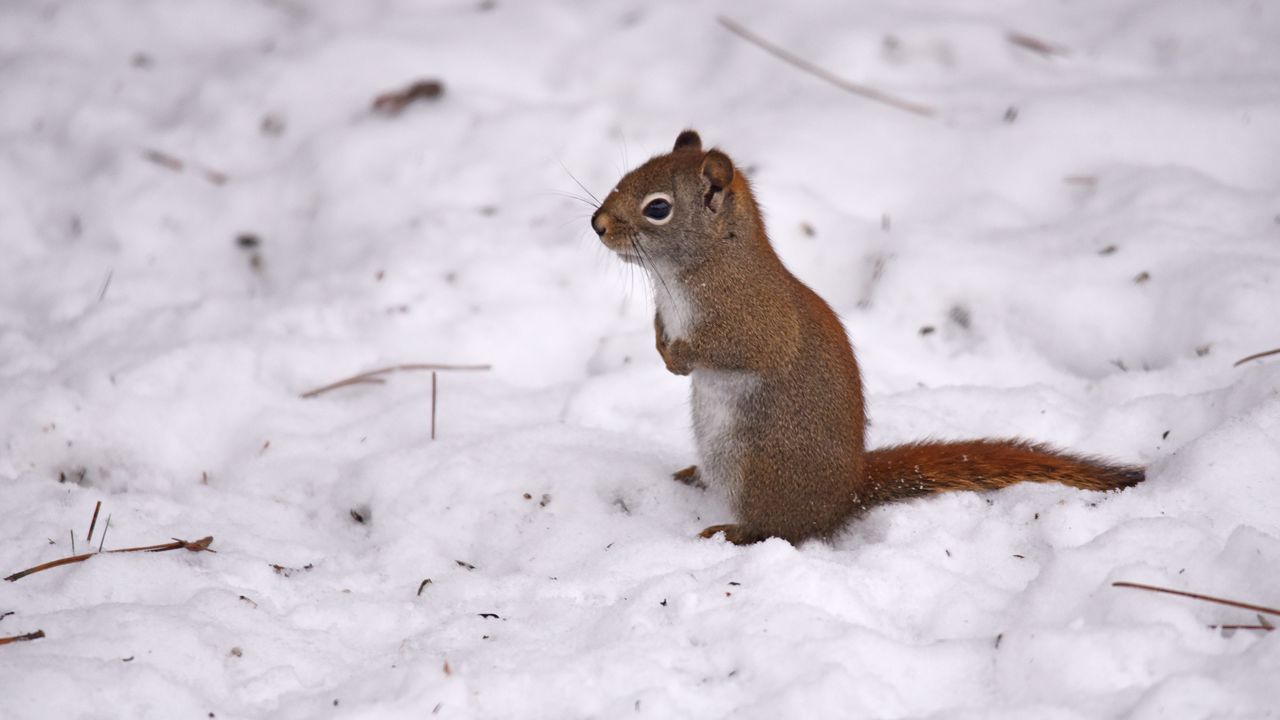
(656, 208)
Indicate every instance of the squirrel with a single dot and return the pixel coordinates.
(778, 413)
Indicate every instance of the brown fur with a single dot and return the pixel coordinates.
(778, 406)
(924, 468)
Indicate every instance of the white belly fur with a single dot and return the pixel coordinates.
(673, 305)
(718, 396)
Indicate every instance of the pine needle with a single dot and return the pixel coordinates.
(372, 376)
(201, 545)
(1198, 596)
(795, 60)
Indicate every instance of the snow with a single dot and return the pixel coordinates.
(1091, 238)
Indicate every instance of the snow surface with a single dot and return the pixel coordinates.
(1093, 238)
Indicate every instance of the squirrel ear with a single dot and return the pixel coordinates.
(717, 168)
(688, 140)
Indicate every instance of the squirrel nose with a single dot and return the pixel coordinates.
(598, 224)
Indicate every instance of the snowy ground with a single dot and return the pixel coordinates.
(1092, 238)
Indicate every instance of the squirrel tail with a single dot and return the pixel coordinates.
(924, 468)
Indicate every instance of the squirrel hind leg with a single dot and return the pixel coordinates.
(736, 534)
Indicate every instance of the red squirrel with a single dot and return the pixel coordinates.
(778, 410)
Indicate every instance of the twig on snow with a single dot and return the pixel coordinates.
(1265, 628)
(1035, 44)
(353, 380)
(106, 285)
(285, 571)
(176, 164)
(93, 522)
(1256, 356)
(105, 528)
(163, 159)
(791, 58)
(392, 103)
(372, 376)
(22, 638)
(201, 545)
(1198, 596)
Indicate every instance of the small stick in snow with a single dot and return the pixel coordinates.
(201, 545)
(285, 571)
(21, 638)
(1197, 596)
(1263, 624)
(1256, 356)
(162, 159)
(788, 57)
(93, 521)
(167, 161)
(877, 263)
(72, 533)
(372, 376)
(105, 528)
(107, 284)
(1034, 44)
(52, 564)
(433, 404)
(392, 103)
(356, 380)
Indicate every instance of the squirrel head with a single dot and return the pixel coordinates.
(678, 209)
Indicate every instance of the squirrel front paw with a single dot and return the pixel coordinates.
(676, 355)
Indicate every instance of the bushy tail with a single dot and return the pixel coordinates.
(906, 471)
